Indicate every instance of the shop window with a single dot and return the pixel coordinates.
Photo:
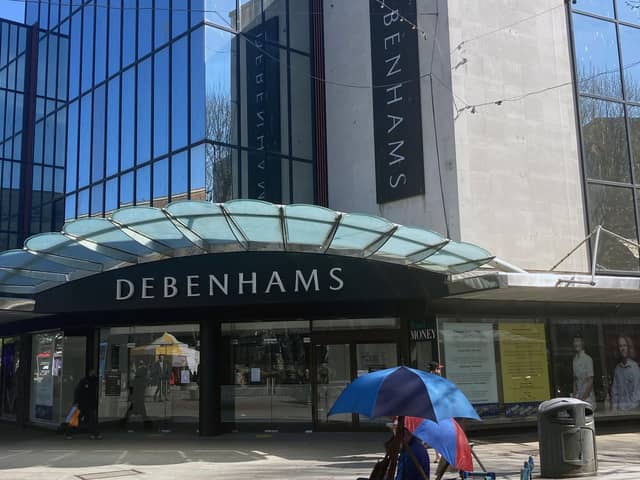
(9, 366)
(150, 373)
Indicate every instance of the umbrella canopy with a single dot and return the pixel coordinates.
(403, 391)
(446, 437)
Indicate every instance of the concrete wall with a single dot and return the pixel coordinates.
(519, 177)
(351, 159)
(508, 177)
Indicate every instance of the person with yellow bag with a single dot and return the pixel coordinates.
(85, 407)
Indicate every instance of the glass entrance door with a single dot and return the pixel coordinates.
(336, 365)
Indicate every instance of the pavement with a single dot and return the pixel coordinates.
(27, 454)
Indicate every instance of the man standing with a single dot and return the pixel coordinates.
(161, 377)
(86, 397)
(625, 390)
(582, 372)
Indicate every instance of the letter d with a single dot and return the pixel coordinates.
(119, 293)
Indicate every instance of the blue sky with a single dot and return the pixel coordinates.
(12, 10)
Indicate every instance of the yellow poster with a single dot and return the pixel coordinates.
(523, 354)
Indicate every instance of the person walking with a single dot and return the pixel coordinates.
(86, 398)
(160, 376)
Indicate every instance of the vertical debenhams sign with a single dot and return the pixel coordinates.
(396, 100)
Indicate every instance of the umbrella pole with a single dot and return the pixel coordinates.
(406, 448)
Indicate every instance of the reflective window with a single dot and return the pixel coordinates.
(613, 208)
(126, 189)
(97, 169)
(634, 134)
(97, 192)
(222, 12)
(115, 19)
(179, 93)
(128, 119)
(113, 126)
(220, 108)
(143, 141)
(111, 195)
(604, 136)
(87, 47)
(597, 56)
(599, 7)
(128, 32)
(198, 89)
(180, 17)
(160, 182)
(143, 185)
(101, 44)
(84, 160)
(161, 103)
(72, 147)
(145, 27)
(74, 54)
(179, 176)
(628, 11)
(629, 42)
(218, 173)
(162, 16)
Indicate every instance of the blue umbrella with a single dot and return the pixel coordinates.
(403, 391)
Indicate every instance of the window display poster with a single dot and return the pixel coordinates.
(523, 353)
(576, 361)
(621, 343)
(470, 359)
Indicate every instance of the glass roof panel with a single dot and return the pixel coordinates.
(8, 278)
(57, 244)
(259, 221)
(459, 255)
(153, 224)
(409, 240)
(308, 224)
(205, 219)
(103, 232)
(357, 231)
(29, 261)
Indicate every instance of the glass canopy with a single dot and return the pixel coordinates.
(134, 235)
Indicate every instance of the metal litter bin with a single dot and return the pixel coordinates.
(567, 438)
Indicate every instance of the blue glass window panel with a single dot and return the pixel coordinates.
(87, 48)
(61, 132)
(58, 185)
(219, 172)
(39, 108)
(3, 95)
(198, 172)
(630, 41)
(44, 15)
(97, 168)
(84, 153)
(22, 40)
(96, 199)
(20, 74)
(143, 185)
(11, 75)
(221, 12)
(37, 178)
(179, 94)
(604, 160)
(49, 139)
(63, 68)
(19, 105)
(197, 12)
(64, 14)
(127, 119)
(6, 175)
(301, 101)
(111, 195)
(179, 187)
(72, 147)
(13, 41)
(113, 126)
(128, 32)
(126, 189)
(41, 81)
(629, 11)
(161, 180)
(145, 27)
(4, 41)
(101, 44)
(54, 14)
(64, 28)
(83, 202)
(599, 7)
(197, 86)
(144, 112)
(17, 147)
(161, 103)
(32, 13)
(38, 142)
(74, 55)
(115, 21)
(597, 64)
(47, 179)
(8, 124)
(218, 54)
(52, 63)
(15, 175)
(162, 24)
(180, 17)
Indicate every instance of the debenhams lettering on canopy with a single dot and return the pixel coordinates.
(248, 283)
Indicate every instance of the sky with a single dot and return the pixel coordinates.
(11, 9)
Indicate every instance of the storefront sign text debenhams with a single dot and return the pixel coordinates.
(148, 288)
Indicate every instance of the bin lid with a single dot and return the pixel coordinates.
(560, 403)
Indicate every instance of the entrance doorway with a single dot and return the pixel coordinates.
(338, 364)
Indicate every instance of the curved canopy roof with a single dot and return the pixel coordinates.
(140, 234)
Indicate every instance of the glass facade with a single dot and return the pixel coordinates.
(143, 102)
(13, 69)
(607, 61)
(9, 375)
